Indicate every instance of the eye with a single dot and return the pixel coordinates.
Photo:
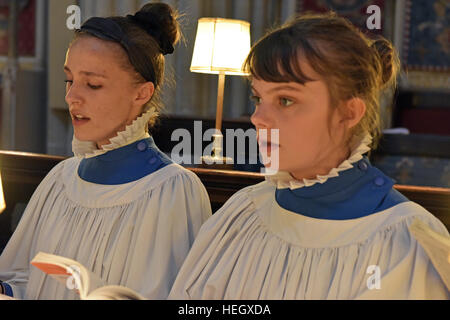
(255, 99)
(286, 102)
(93, 86)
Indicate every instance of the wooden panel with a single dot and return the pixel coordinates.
(21, 174)
(419, 145)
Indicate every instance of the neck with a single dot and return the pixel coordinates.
(323, 165)
(101, 143)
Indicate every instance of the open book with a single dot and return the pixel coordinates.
(75, 276)
(436, 246)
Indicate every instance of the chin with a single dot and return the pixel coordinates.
(274, 167)
(83, 137)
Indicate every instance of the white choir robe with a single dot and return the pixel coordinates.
(253, 248)
(135, 234)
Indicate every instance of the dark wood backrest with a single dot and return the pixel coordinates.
(22, 172)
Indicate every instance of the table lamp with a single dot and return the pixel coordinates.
(221, 47)
(2, 198)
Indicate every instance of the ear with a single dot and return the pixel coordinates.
(352, 112)
(144, 93)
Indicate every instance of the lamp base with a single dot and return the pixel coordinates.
(216, 162)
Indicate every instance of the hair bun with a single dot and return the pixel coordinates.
(158, 20)
(388, 59)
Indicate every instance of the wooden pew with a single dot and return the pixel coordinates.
(22, 172)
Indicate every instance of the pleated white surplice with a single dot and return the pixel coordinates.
(135, 234)
(254, 249)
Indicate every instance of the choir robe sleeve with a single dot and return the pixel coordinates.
(15, 258)
(185, 206)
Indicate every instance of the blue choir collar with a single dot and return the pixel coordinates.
(355, 193)
(125, 164)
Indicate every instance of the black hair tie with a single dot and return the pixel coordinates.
(149, 22)
(105, 29)
(108, 29)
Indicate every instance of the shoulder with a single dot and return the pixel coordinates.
(257, 194)
(68, 166)
(172, 179)
(181, 181)
(417, 212)
(61, 170)
(170, 182)
(175, 174)
(398, 218)
(243, 204)
(404, 261)
(407, 211)
(63, 164)
(393, 226)
(181, 171)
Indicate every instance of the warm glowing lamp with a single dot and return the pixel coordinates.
(2, 198)
(221, 47)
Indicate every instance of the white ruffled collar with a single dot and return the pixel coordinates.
(132, 133)
(283, 179)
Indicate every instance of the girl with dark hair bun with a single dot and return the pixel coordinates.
(326, 224)
(120, 207)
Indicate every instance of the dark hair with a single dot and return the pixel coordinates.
(145, 37)
(351, 64)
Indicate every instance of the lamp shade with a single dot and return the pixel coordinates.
(2, 198)
(221, 46)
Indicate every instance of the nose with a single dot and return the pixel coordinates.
(263, 117)
(73, 94)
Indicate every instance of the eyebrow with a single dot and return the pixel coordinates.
(254, 90)
(278, 88)
(87, 73)
(284, 87)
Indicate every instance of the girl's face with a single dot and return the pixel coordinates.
(101, 95)
(304, 118)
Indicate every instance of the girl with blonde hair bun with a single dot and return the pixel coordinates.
(120, 207)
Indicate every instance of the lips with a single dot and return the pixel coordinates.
(77, 114)
(78, 118)
(266, 148)
(267, 144)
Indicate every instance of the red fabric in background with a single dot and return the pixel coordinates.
(428, 121)
(357, 16)
(27, 30)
